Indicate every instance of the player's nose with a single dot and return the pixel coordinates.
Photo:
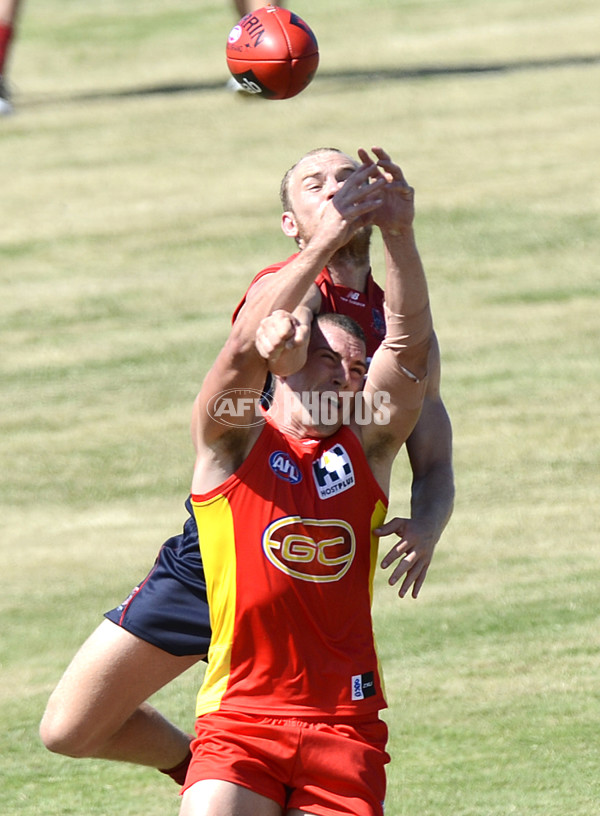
(340, 378)
(332, 185)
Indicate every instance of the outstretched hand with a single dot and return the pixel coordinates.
(414, 550)
(353, 205)
(397, 211)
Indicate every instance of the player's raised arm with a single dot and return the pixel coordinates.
(239, 365)
(399, 367)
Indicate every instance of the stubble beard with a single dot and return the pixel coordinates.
(357, 250)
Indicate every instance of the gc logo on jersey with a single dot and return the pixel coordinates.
(319, 550)
(284, 467)
(333, 472)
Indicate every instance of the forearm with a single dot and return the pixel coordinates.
(291, 285)
(432, 499)
(409, 324)
(405, 283)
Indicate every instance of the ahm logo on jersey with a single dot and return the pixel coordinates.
(333, 472)
(284, 467)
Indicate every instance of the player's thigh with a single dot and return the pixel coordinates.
(214, 797)
(110, 676)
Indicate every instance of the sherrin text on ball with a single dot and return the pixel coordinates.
(272, 53)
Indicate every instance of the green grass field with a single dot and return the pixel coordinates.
(139, 197)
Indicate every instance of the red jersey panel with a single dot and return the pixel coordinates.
(366, 308)
(289, 560)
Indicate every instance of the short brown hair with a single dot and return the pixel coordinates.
(344, 322)
(284, 189)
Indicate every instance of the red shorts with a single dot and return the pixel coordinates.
(323, 768)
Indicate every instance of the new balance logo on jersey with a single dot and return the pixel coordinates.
(363, 686)
(333, 472)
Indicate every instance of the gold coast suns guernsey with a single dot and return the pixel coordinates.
(289, 561)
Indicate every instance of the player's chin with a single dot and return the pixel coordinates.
(323, 430)
(359, 244)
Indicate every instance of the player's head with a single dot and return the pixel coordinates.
(307, 187)
(285, 193)
(340, 321)
(333, 374)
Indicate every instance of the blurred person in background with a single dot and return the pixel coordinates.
(8, 23)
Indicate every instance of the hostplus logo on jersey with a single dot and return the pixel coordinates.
(333, 472)
(284, 467)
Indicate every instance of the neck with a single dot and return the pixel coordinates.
(347, 273)
(292, 418)
(351, 264)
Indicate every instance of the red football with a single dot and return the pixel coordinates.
(272, 53)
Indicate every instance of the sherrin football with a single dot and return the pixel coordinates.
(272, 53)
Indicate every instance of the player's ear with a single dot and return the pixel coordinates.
(289, 225)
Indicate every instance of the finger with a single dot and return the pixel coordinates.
(384, 161)
(363, 185)
(276, 335)
(360, 176)
(415, 578)
(398, 551)
(365, 158)
(395, 525)
(406, 584)
(381, 156)
(302, 333)
(356, 212)
(299, 337)
(403, 568)
(419, 582)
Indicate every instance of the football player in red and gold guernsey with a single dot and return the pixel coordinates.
(288, 714)
(99, 708)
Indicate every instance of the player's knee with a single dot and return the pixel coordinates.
(61, 735)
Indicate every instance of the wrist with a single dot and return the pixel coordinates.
(403, 232)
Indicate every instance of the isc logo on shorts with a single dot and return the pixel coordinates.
(310, 549)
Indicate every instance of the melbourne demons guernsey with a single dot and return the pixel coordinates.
(366, 308)
(289, 559)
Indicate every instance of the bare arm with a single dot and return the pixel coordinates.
(429, 449)
(400, 365)
(220, 447)
(311, 300)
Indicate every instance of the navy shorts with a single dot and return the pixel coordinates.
(169, 608)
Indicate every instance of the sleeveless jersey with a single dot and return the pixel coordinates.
(366, 308)
(289, 561)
